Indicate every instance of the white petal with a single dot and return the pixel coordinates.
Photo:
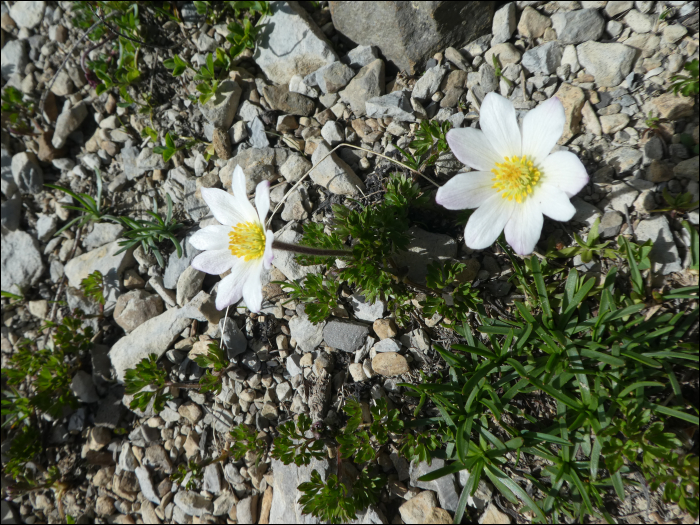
(224, 206)
(524, 227)
(214, 262)
(471, 147)
(553, 202)
(262, 199)
(563, 170)
(268, 255)
(243, 205)
(230, 288)
(252, 289)
(542, 128)
(466, 190)
(487, 222)
(211, 238)
(499, 124)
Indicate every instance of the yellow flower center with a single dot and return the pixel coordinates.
(515, 177)
(247, 240)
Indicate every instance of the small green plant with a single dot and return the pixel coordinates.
(694, 246)
(294, 445)
(91, 210)
(188, 475)
(318, 293)
(17, 113)
(147, 382)
(149, 233)
(169, 149)
(215, 363)
(429, 143)
(682, 203)
(13, 297)
(455, 299)
(93, 287)
(687, 85)
(586, 249)
(499, 71)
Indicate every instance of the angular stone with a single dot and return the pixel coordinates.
(28, 14)
(368, 83)
(429, 83)
(333, 173)
(176, 265)
(687, 169)
(532, 24)
(572, 98)
(623, 159)
(189, 284)
(146, 485)
(613, 123)
(281, 99)
(68, 121)
(410, 34)
(365, 311)
(507, 54)
(220, 109)
(135, 308)
(285, 506)
(543, 59)
(610, 224)
(331, 78)
(423, 508)
(503, 23)
(286, 262)
(83, 387)
(396, 105)
(295, 167)
(608, 63)
(102, 233)
(639, 22)
(192, 503)
(670, 106)
(360, 56)
(27, 173)
(444, 486)
(390, 364)
(664, 254)
(345, 335)
(291, 43)
(581, 25)
(21, 261)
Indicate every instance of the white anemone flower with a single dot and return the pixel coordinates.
(240, 244)
(518, 179)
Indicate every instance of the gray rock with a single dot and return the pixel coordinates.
(653, 149)
(205, 43)
(192, 504)
(295, 167)
(482, 496)
(664, 254)
(345, 335)
(251, 361)
(21, 264)
(108, 262)
(544, 59)
(687, 169)
(28, 14)
(232, 339)
(127, 460)
(102, 233)
(221, 108)
(396, 105)
(294, 365)
(27, 173)
(360, 56)
(295, 207)
(11, 212)
(639, 22)
(285, 261)
(608, 63)
(425, 247)
(146, 485)
(366, 311)
(213, 479)
(429, 83)
(621, 195)
(256, 132)
(503, 24)
(331, 78)
(281, 99)
(135, 308)
(152, 337)
(333, 173)
(68, 121)
(285, 506)
(297, 84)
(14, 58)
(223, 504)
(109, 412)
(333, 133)
(615, 8)
(624, 159)
(307, 335)
(585, 211)
(444, 486)
(189, 284)
(257, 163)
(291, 43)
(83, 387)
(45, 226)
(368, 83)
(8, 188)
(176, 265)
(610, 224)
(576, 27)
(410, 34)
(247, 112)
(247, 509)
(387, 345)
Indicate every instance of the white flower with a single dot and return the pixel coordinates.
(241, 244)
(517, 179)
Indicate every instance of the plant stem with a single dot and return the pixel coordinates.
(308, 250)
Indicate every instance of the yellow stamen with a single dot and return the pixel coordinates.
(515, 178)
(247, 240)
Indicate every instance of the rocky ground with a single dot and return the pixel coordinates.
(276, 117)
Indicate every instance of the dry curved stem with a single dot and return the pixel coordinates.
(344, 145)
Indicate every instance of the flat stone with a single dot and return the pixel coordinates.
(285, 507)
(281, 99)
(386, 345)
(687, 169)
(639, 22)
(673, 33)
(334, 173)
(83, 387)
(247, 509)
(507, 53)
(213, 480)
(333, 133)
(576, 27)
(670, 106)
(532, 24)
(68, 121)
(390, 364)
(503, 24)
(620, 195)
(365, 311)
(664, 254)
(608, 63)
(307, 335)
(27, 173)
(28, 14)
(611, 124)
(424, 248)
(573, 99)
(14, 58)
(368, 83)
(543, 59)
(624, 159)
(192, 503)
(291, 43)
(585, 211)
(232, 339)
(21, 261)
(146, 485)
(297, 84)
(177, 265)
(135, 308)
(396, 105)
(295, 167)
(220, 109)
(345, 335)
(423, 508)
(444, 486)
(429, 83)
(331, 78)
(360, 56)
(615, 8)
(610, 224)
(102, 233)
